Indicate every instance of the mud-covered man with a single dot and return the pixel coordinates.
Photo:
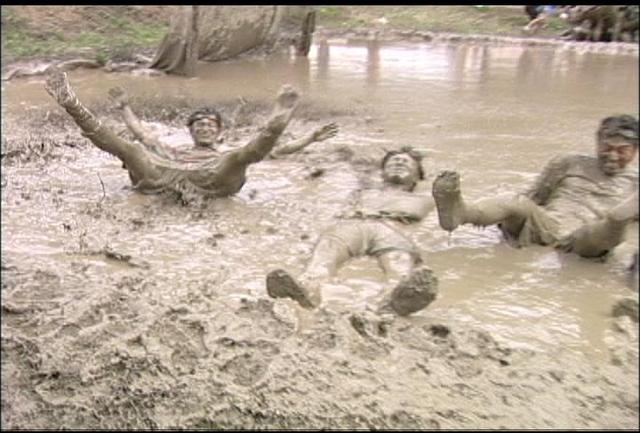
(371, 229)
(155, 170)
(579, 203)
(207, 130)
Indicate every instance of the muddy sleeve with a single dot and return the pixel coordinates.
(94, 130)
(58, 86)
(293, 146)
(262, 144)
(548, 180)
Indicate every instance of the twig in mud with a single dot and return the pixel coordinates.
(104, 194)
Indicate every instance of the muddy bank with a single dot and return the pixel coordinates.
(105, 331)
(368, 34)
(137, 63)
(121, 359)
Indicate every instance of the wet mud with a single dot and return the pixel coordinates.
(107, 322)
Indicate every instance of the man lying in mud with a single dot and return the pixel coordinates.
(206, 128)
(579, 203)
(369, 231)
(152, 171)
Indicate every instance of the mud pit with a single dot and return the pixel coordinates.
(123, 310)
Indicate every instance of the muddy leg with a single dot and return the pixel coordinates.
(599, 237)
(328, 255)
(453, 211)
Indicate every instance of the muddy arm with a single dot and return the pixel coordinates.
(150, 140)
(548, 180)
(121, 102)
(260, 146)
(58, 86)
(323, 133)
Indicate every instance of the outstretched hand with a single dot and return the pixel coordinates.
(326, 131)
(287, 97)
(57, 85)
(119, 97)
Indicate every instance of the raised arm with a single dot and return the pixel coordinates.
(324, 132)
(57, 85)
(150, 140)
(260, 146)
(548, 180)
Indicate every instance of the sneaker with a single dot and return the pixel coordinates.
(414, 292)
(282, 285)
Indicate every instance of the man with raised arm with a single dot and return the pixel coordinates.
(152, 169)
(207, 130)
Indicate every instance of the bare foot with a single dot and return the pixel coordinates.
(282, 285)
(413, 293)
(446, 192)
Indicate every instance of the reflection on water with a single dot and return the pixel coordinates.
(495, 114)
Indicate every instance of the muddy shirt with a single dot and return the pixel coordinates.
(395, 205)
(573, 190)
(381, 235)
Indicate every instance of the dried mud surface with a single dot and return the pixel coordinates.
(85, 348)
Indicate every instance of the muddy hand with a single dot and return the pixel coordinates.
(566, 243)
(327, 131)
(57, 85)
(287, 97)
(119, 97)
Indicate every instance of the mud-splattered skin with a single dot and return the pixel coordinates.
(615, 153)
(205, 132)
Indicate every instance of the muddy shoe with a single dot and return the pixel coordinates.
(414, 292)
(446, 192)
(282, 285)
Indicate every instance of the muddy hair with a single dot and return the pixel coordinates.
(409, 151)
(205, 112)
(623, 124)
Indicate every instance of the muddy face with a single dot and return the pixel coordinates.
(401, 169)
(205, 131)
(615, 153)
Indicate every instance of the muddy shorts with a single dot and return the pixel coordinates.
(370, 238)
(540, 227)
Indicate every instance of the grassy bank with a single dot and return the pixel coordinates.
(102, 32)
(97, 32)
(491, 20)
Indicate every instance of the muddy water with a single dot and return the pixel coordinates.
(495, 114)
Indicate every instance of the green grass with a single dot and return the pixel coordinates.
(493, 20)
(118, 35)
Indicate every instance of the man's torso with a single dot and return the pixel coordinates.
(586, 193)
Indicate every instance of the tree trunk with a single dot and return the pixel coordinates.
(224, 32)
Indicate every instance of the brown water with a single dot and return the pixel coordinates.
(495, 114)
